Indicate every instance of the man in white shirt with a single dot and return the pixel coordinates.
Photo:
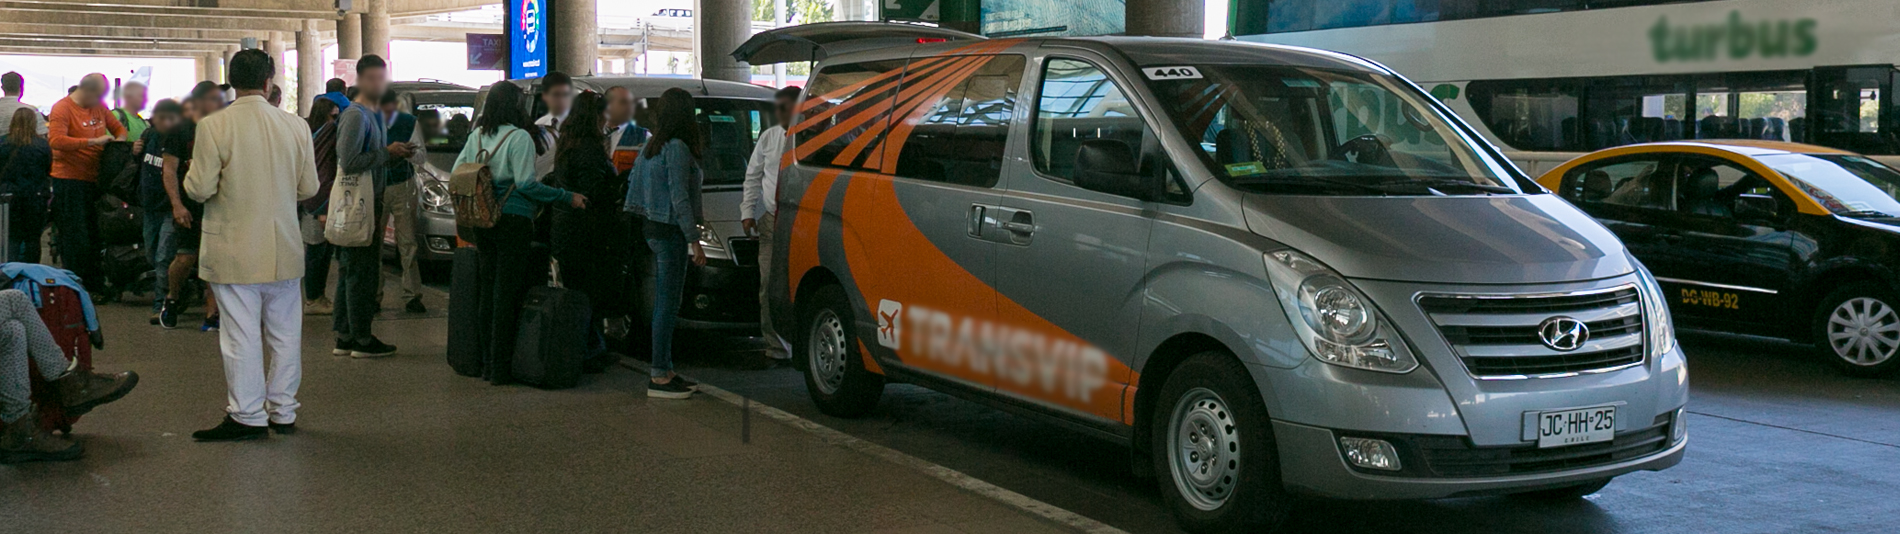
(624, 136)
(557, 93)
(14, 87)
(758, 211)
(252, 163)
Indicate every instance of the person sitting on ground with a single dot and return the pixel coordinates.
(25, 343)
(187, 214)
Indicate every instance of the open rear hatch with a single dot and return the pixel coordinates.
(815, 42)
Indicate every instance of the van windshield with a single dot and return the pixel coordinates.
(1295, 130)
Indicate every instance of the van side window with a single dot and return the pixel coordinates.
(1077, 103)
(1638, 183)
(846, 113)
(960, 137)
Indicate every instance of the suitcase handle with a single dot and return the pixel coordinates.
(554, 274)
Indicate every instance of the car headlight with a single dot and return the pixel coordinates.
(1662, 327)
(1336, 322)
(435, 196)
(708, 239)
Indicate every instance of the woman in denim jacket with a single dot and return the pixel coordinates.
(663, 190)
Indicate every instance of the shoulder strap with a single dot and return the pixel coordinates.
(489, 153)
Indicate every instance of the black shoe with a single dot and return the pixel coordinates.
(374, 348)
(675, 389)
(343, 347)
(231, 430)
(283, 429)
(415, 306)
(683, 382)
(168, 315)
(211, 324)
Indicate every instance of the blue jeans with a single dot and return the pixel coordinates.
(160, 248)
(669, 281)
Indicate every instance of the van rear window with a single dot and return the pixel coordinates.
(846, 114)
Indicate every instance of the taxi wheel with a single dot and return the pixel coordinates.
(1566, 493)
(1858, 328)
(828, 354)
(1213, 449)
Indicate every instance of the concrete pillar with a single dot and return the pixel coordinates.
(309, 65)
(1165, 18)
(275, 44)
(576, 37)
(199, 62)
(720, 26)
(214, 66)
(349, 36)
(230, 51)
(778, 20)
(376, 29)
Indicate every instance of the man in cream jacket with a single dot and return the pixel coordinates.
(251, 163)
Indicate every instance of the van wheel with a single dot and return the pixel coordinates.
(1858, 327)
(828, 353)
(1566, 493)
(1213, 449)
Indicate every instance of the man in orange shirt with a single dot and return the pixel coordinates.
(78, 130)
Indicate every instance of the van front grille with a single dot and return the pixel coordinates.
(1498, 336)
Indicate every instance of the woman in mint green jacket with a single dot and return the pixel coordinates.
(505, 137)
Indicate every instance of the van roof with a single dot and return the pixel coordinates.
(1152, 51)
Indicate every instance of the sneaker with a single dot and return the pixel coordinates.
(168, 315)
(675, 389)
(685, 383)
(24, 441)
(343, 347)
(374, 348)
(211, 324)
(81, 391)
(231, 430)
(415, 306)
(320, 306)
(283, 429)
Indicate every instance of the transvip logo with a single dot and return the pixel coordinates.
(889, 328)
(1025, 360)
(530, 23)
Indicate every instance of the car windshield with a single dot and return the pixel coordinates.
(1844, 184)
(1281, 129)
(443, 118)
(730, 127)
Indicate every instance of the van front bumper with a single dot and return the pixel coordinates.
(1313, 464)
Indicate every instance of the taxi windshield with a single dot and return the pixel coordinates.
(1844, 184)
(1296, 130)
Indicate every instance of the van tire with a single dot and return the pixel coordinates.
(1851, 302)
(1214, 386)
(1566, 493)
(827, 352)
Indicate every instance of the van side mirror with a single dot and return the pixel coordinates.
(1108, 166)
(1756, 208)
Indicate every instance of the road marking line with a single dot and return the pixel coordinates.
(956, 478)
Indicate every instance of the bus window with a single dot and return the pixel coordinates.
(1770, 113)
(1622, 115)
(1847, 111)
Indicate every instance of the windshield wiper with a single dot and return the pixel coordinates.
(1865, 213)
(1310, 181)
(1446, 183)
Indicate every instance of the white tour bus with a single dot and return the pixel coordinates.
(1548, 80)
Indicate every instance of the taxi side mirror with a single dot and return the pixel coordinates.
(1757, 208)
(1108, 166)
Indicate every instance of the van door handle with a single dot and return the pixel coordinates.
(1019, 227)
(976, 220)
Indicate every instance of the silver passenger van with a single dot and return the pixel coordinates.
(1265, 270)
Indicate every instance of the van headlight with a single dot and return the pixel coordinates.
(1335, 321)
(435, 196)
(1662, 327)
(708, 239)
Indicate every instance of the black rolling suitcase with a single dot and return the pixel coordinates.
(553, 338)
(468, 334)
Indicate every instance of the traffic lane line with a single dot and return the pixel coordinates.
(953, 477)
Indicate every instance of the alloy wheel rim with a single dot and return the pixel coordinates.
(1863, 331)
(827, 352)
(1204, 449)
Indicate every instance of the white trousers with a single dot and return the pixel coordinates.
(254, 315)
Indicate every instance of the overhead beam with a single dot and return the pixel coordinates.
(108, 45)
(127, 20)
(411, 8)
(19, 51)
(14, 29)
(302, 9)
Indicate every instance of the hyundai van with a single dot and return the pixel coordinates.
(1268, 271)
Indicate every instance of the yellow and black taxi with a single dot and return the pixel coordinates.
(1758, 237)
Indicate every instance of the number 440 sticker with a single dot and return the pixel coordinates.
(1171, 73)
